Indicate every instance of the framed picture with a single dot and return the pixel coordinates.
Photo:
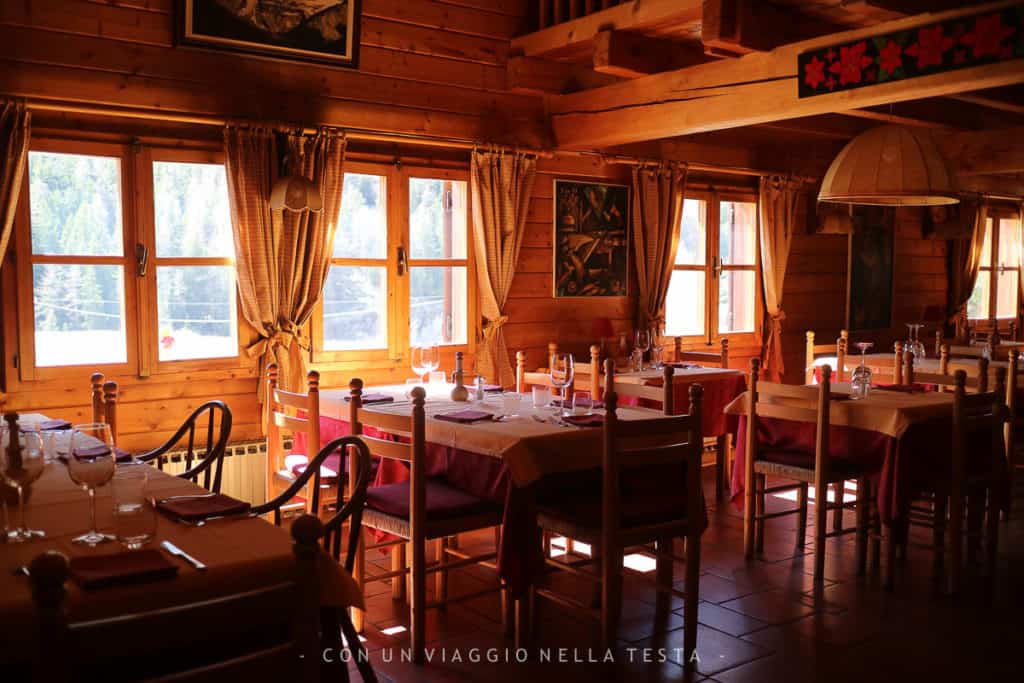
(870, 269)
(591, 240)
(310, 30)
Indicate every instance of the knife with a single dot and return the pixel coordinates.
(178, 552)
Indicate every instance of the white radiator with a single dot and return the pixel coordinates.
(244, 474)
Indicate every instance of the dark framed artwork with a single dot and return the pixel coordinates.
(870, 269)
(591, 239)
(310, 30)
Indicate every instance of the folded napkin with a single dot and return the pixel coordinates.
(374, 398)
(840, 397)
(585, 420)
(491, 388)
(194, 508)
(905, 388)
(45, 425)
(682, 365)
(580, 403)
(467, 416)
(98, 451)
(99, 571)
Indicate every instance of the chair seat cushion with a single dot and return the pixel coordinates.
(799, 459)
(443, 501)
(296, 464)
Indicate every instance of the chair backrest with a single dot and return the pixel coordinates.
(663, 394)
(978, 381)
(104, 402)
(654, 443)
(194, 637)
(793, 403)
(813, 351)
(721, 359)
(541, 377)
(283, 417)
(205, 457)
(975, 415)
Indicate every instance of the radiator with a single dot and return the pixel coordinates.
(245, 470)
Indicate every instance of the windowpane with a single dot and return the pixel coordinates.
(437, 305)
(737, 233)
(363, 225)
(986, 244)
(736, 297)
(191, 212)
(1006, 294)
(684, 303)
(355, 308)
(692, 234)
(977, 305)
(79, 314)
(196, 312)
(75, 204)
(1009, 243)
(437, 218)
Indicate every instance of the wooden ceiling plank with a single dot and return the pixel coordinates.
(986, 152)
(536, 76)
(896, 118)
(632, 15)
(629, 55)
(991, 103)
(739, 27)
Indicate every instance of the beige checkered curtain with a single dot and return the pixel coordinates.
(963, 260)
(281, 257)
(15, 126)
(658, 193)
(500, 186)
(779, 207)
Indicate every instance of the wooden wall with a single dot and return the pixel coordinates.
(815, 290)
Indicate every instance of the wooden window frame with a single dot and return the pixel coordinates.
(396, 357)
(712, 268)
(993, 217)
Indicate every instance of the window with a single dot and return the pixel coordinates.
(713, 291)
(400, 272)
(130, 257)
(996, 292)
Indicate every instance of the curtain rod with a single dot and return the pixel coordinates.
(413, 139)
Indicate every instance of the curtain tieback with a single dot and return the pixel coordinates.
(491, 327)
(282, 336)
(776, 321)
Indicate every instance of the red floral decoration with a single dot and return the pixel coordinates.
(814, 72)
(988, 36)
(852, 62)
(931, 44)
(890, 57)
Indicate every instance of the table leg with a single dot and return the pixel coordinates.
(721, 466)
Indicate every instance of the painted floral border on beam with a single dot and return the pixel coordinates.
(943, 46)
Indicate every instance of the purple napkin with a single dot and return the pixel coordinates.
(99, 571)
(585, 420)
(467, 416)
(200, 506)
(684, 365)
(490, 388)
(839, 397)
(374, 398)
(46, 425)
(101, 450)
(905, 388)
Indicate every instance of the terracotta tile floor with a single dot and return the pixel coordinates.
(759, 621)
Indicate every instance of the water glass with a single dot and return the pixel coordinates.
(582, 403)
(438, 377)
(541, 397)
(20, 471)
(510, 404)
(134, 515)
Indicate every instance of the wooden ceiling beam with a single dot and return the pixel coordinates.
(738, 27)
(884, 117)
(991, 103)
(536, 76)
(753, 89)
(626, 54)
(910, 7)
(985, 152)
(626, 16)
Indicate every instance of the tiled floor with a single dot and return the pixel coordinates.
(759, 621)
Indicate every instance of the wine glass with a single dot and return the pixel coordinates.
(416, 360)
(562, 375)
(91, 463)
(20, 469)
(431, 358)
(860, 383)
(642, 343)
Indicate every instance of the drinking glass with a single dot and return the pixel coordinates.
(541, 397)
(19, 470)
(860, 382)
(582, 403)
(417, 361)
(561, 376)
(91, 463)
(510, 404)
(642, 343)
(431, 358)
(134, 515)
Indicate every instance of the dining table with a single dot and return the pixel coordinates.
(510, 461)
(241, 553)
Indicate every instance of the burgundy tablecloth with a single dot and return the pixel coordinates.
(719, 391)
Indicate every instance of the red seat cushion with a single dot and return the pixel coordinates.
(443, 501)
(792, 458)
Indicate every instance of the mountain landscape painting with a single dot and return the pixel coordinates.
(314, 30)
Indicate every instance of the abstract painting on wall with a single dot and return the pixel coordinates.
(591, 241)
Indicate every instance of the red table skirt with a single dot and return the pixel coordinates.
(718, 393)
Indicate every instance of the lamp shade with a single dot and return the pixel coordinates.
(890, 166)
(295, 193)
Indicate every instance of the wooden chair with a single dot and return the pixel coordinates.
(813, 351)
(104, 403)
(588, 376)
(416, 511)
(289, 413)
(616, 521)
(721, 359)
(819, 469)
(269, 633)
(540, 377)
(943, 380)
(210, 459)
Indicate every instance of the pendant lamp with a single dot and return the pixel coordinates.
(293, 191)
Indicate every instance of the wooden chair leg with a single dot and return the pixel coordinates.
(875, 542)
(418, 601)
(956, 537)
(691, 597)
(975, 523)
(507, 604)
(611, 595)
(357, 650)
(863, 520)
(840, 498)
(992, 539)
(441, 576)
(663, 577)
(939, 512)
(762, 484)
(889, 565)
(359, 574)
(749, 523)
(721, 467)
(801, 524)
(397, 564)
(820, 524)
